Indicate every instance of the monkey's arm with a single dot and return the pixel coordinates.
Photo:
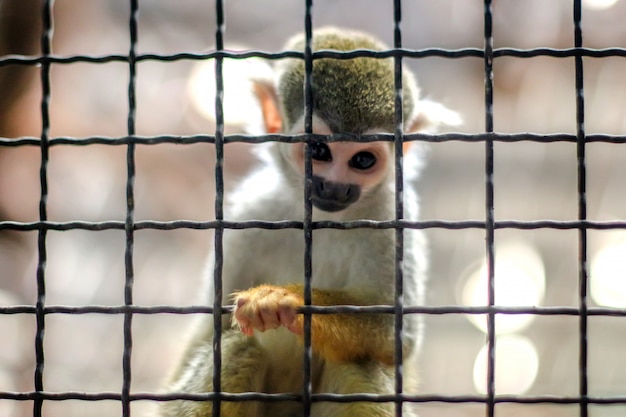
(335, 337)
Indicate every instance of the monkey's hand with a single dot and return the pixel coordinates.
(267, 307)
(336, 337)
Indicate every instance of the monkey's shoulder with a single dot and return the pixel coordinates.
(264, 195)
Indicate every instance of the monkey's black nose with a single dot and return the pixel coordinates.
(333, 196)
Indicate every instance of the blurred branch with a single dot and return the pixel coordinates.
(19, 32)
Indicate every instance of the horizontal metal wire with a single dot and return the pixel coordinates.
(399, 52)
(338, 309)
(317, 225)
(415, 137)
(256, 396)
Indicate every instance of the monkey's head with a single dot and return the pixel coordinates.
(354, 96)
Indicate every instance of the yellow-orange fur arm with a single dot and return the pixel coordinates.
(336, 337)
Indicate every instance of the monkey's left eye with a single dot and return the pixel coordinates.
(363, 160)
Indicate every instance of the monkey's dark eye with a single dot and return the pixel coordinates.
(363, 160)
(320, 152)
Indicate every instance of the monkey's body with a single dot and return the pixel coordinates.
(274, 358)
(352, 353)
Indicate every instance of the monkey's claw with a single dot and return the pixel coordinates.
(267, 307)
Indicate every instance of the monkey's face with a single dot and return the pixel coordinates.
(343, 172)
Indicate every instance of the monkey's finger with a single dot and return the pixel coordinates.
(241, 300)
(253, 319)
(245, 325)
(269, 317)
(248, 331)
(289, 319)
(241, 317)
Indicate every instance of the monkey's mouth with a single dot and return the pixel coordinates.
(329, 205)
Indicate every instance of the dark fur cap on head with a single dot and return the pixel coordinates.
(350, 95)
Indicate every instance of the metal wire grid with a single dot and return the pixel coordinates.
(489, 224)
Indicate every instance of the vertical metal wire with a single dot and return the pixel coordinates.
(46, 49)
(130, 211)
(489, 208)
(219, 209)
(399, 203)
(582, 208)
(308, 206)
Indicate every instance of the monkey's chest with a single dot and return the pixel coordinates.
(283, 261)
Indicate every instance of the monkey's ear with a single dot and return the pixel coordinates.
(268, 100)
(245, 102)
(430, 116)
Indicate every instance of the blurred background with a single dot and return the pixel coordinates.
(536, 355)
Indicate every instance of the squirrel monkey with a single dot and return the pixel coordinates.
(262, 349)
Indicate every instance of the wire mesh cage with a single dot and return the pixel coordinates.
(118, 148)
